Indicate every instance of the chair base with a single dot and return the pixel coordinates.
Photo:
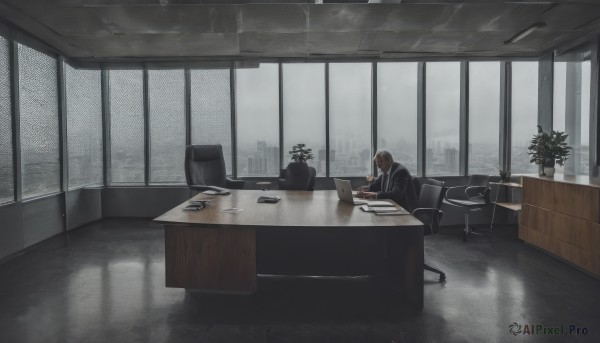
(435, 270)
(470, 231)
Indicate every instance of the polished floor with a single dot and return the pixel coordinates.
(105, 283)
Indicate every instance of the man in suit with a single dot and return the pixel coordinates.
(394, 183)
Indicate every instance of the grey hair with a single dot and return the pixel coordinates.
(385, 154)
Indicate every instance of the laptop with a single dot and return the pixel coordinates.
(344, 191)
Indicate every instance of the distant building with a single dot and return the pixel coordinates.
(451, 159)
(257, 166)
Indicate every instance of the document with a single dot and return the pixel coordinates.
(377, 203)
(376, 209)
(215, 192)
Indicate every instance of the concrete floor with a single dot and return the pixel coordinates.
(105, 283)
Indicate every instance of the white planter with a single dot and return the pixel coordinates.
(549, 171)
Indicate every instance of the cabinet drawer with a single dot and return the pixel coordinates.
(572, 230)
(537, 218)
(577, 201)
(541, 240)
(538, 193)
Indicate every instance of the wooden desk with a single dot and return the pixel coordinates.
(216, 251)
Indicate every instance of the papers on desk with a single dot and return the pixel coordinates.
(378, 203)
(223, 191)
(384, 210)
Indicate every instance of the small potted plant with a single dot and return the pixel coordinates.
(547, 150)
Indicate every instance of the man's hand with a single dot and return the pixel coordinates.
(363, 188)
(367, 195)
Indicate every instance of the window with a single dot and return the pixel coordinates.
(572, 112)
(166, 100)
(524, 115)
(84, 126)
(484, 117)
(350, 119)
(397, 112)
(442, 113)
(6, 147)
(257, 108)
(38, 103)
(304, 111)
(211, 109)
(126, 126)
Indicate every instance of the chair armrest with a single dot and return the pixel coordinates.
(235, 184)
(202, 188)
(454, 190)
(475, 191)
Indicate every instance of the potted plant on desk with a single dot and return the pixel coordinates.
(548, 150)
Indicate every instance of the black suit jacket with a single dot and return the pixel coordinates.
(402, 190)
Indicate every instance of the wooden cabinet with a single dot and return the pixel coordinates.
(562, 216)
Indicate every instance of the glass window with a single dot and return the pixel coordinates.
(84, 126)
(572, 112)
(524, 115)
(126, 93)
(6, 147)
(257, 113)
(484, 118)
(166, 101)
(350, 119)
(211, 109)
(442, 113)
(397, 111)
(304, 111)
(38, 103)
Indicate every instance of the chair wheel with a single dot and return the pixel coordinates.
(465, 235)
(443, 278)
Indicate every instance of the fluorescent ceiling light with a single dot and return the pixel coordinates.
(525, 32)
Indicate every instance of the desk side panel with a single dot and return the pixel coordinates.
(210, 259)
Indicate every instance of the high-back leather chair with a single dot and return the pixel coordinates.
(476, 198)
(205, 167)
(429, 212)
(293, 181)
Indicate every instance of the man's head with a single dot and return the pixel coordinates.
(383, 159)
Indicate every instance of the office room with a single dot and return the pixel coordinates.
(299, 171)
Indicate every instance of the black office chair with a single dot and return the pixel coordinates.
(205, 167)
(291, 179)
(428, 211)
(477, 197)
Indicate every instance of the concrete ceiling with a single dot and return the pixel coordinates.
(104, 30)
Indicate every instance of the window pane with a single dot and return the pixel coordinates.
(350, 119)
(84, 126)
(304, 111)
(38, 102)
(572, 112)
(442, 108)
(126, 126)
(484, 117)
(257, 107)
(166, 97)
(524, 115)
(6, 153)
(397, 112)
(211, 110)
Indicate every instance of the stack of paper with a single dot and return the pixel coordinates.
(384, 210)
